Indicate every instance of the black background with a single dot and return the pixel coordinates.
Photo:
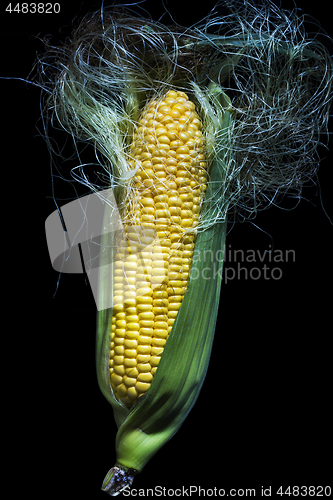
(262, 417)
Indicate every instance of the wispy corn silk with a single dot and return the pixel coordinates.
(256, 62)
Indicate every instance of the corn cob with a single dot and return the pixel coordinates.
(169, 188)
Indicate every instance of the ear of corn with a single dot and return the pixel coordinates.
(169, 187)
(146, 425)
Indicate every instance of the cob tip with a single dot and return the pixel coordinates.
(117, 479)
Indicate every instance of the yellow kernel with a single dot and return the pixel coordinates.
(147, 315)
(143, 292)
(161, 310)
(160, 131)
(175, 298)
(132, 372)
(159, 167)
(116, 379)
(131, 393)
(146, 174)
(161, 198)
(132, 334)
(146, 218)
(161, 333)
(144, 307)
(144, 367)
(164, 109)
(148, 210)
(119, 370)
(144, 339)
(160, 324)
(175, 284)
(176, 260)
(182, 181)
(179, 107)
(130, 362)
(162, 213)
(133, 326)
(176, 144)
(176, 220)
(147, 202)
(119, 340)
(154, 360)
(187, 222)
(142, 387)
(132, 318)
(174, 113)
(130, 353)
(159, 342)
(157, 154)
(148, 183)
(183, 150)
(184, 136)
(145, 156)
(129, 381)
(143, 349)
(174, 306)
(118, 360)
(170, 185)
(149, 138)
(147, 166)
(170, 162)
(143, 358)
(147, 323)
(175, 267)
(122, 390)
(159, 117)
(175, 201)
(165, 243)
(172, 94)
(174, 211)
(145, 377)
(118, 307)
(172, 134)
(119, 350)
(121, 324)
(196, 122)
(160, 294)
(162, 316)
(146, 331)
(130, 344)
(156, 351)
